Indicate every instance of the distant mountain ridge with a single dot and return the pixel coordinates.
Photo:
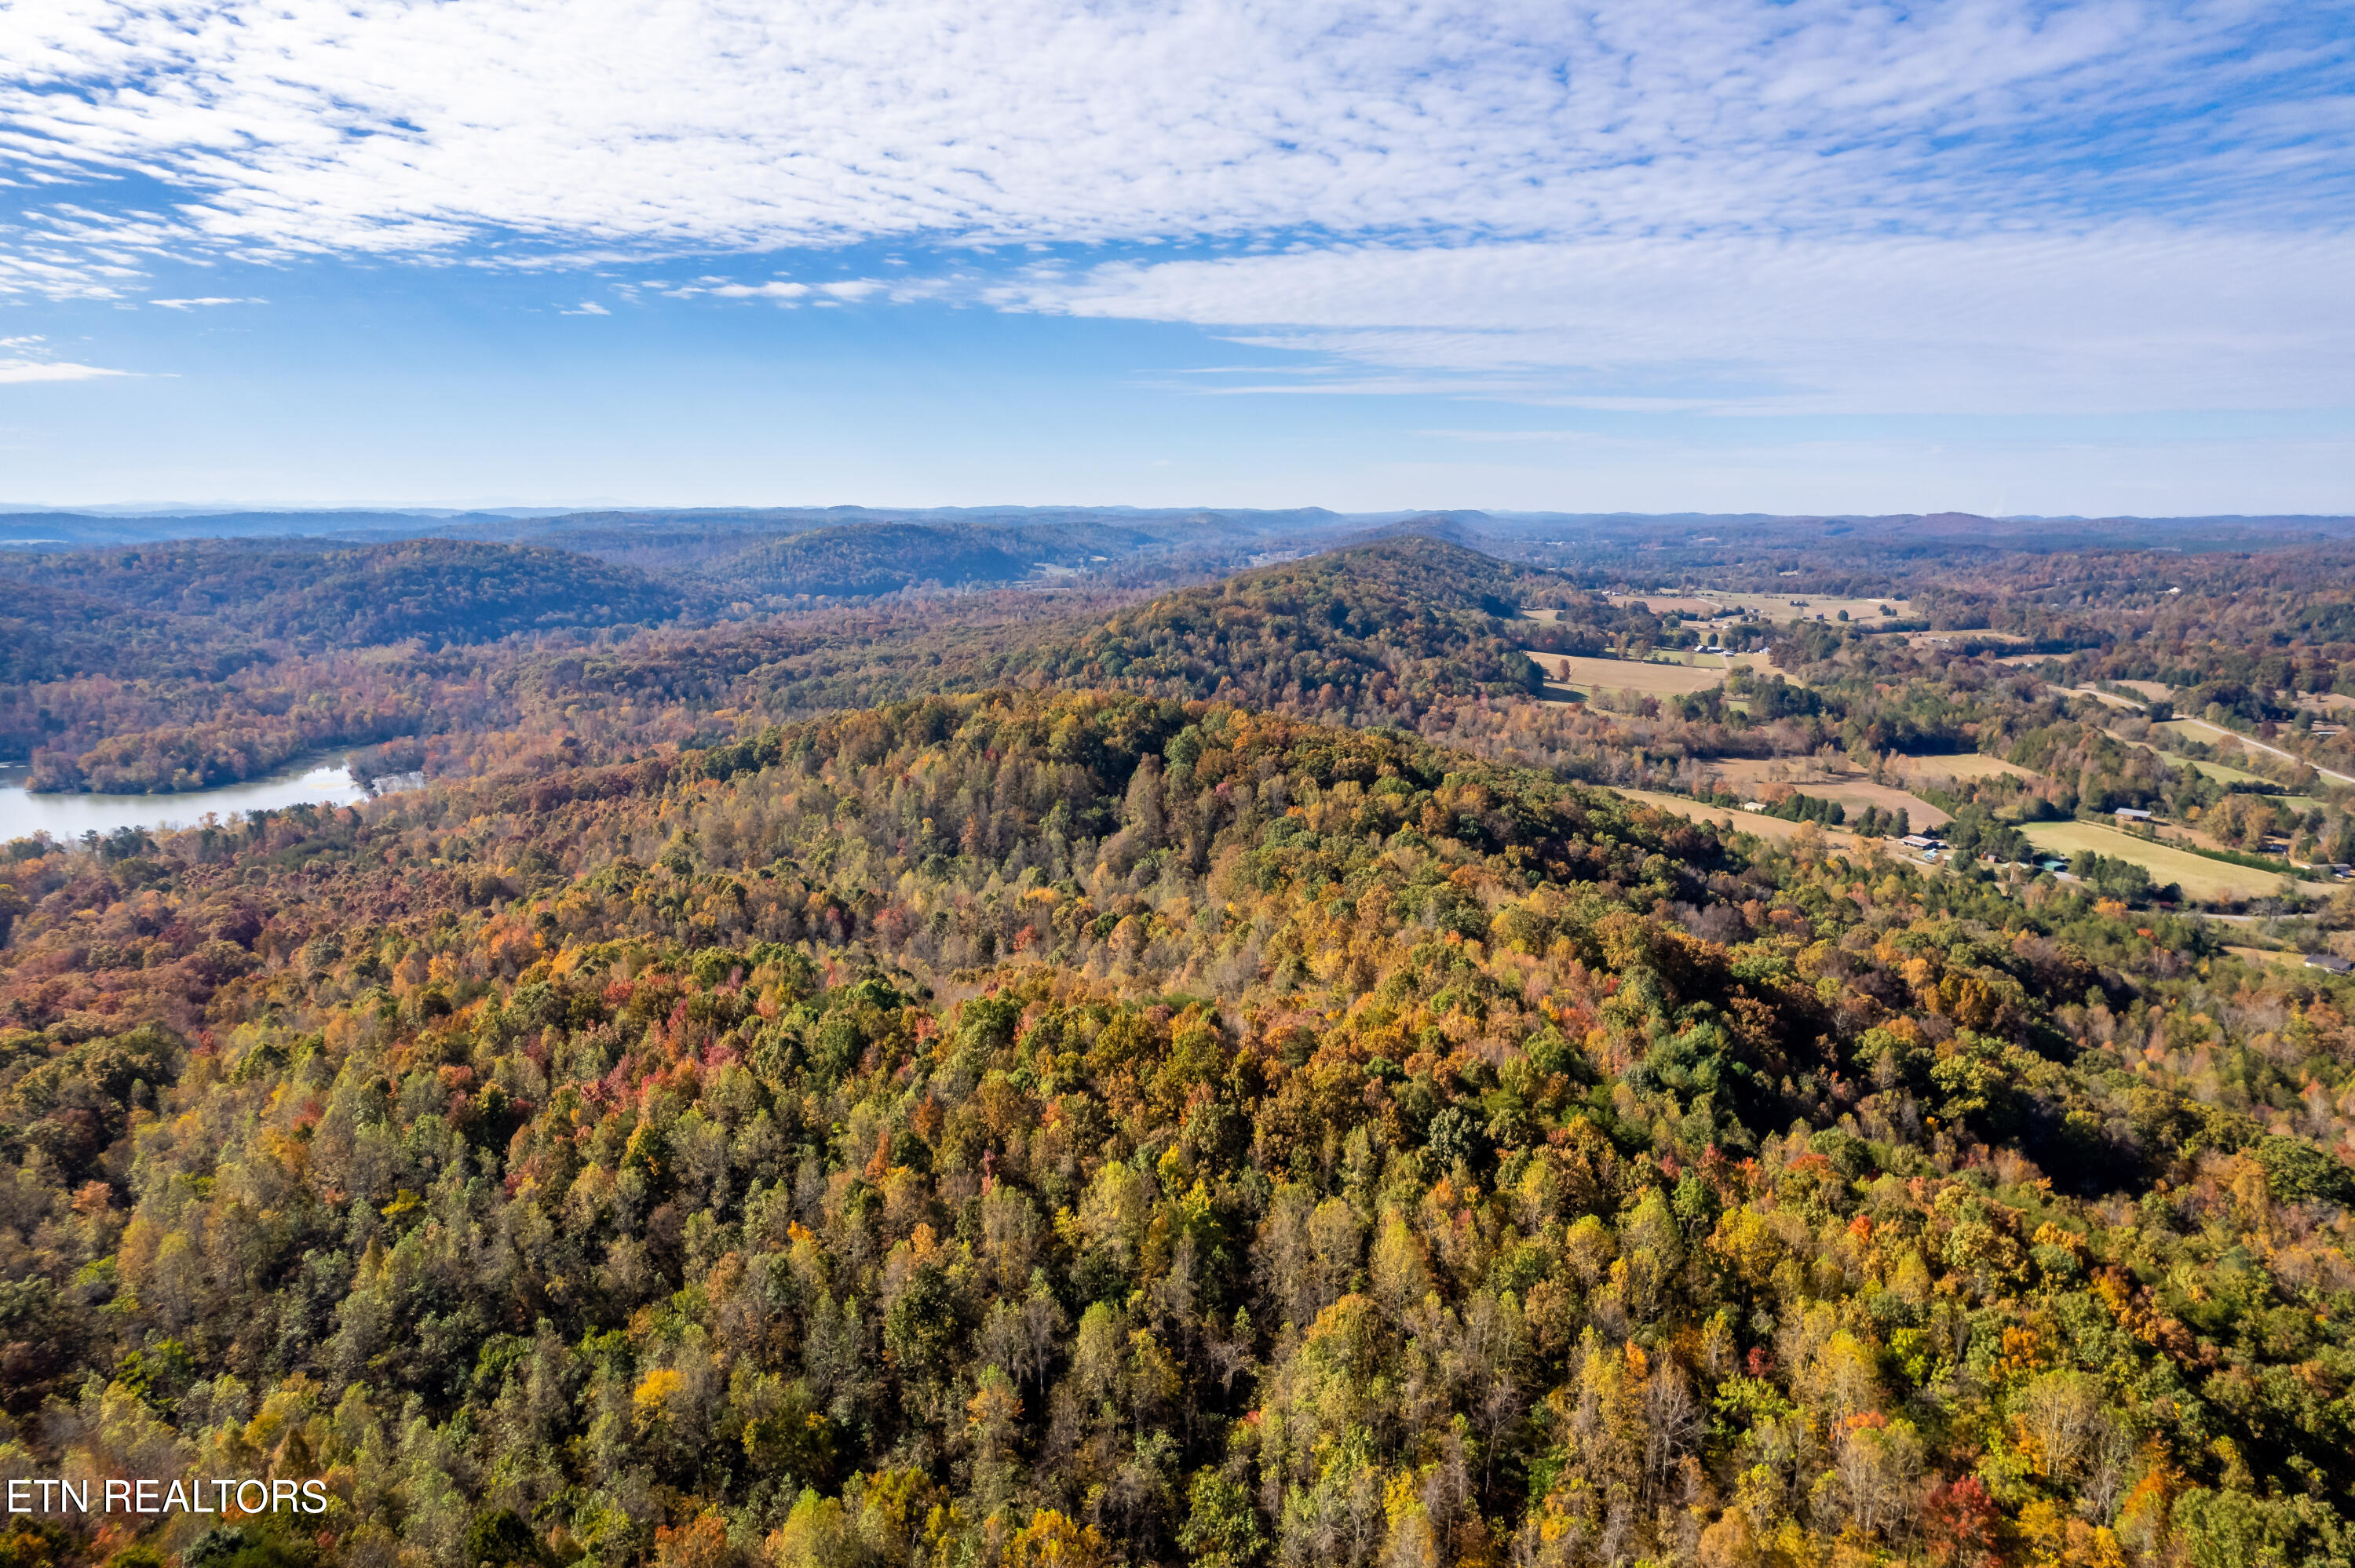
(315, 595)
(70, 528)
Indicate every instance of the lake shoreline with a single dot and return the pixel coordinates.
(67, 816)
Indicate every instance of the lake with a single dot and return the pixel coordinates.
(68, 817)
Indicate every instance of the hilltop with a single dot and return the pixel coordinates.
(1380, 630)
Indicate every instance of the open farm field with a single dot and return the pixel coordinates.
(2153, 690)
(1773, 829)
(1673, 604)
(1588, 674)
(1763, 664)
(1864, 613)
(2217, 735)
(2107, 699)
(1778, 607)
(2200, 877)
(2223, 773)
(1944, 639)
(1854, 791)
(1855, 794)
(1961, 766)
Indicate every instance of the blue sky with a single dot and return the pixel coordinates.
(1661, 255)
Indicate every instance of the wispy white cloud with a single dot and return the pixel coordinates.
(778, 290)
(20, 370)
(28, 357)
(2128, 318)
(207, 299)
(1724, 205)
(585, 308)
(300, 126)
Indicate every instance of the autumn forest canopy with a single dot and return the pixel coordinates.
(1229, 1040)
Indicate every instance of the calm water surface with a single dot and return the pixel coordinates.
(64, 817)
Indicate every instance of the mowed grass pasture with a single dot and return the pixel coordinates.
(1752, 776)
(1773, 829)
(1777, 605)
(2200, 877)
(1959, 766)
(1582, 673)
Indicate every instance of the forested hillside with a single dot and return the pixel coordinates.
(876, 559)
(183, 666)
(872, 558)
(52, 634)
(1382, 631)
(1078, 1129)
(436, 590)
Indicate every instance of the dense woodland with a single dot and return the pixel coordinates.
(1077, 1077)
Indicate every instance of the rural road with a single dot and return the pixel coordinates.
(2261, 746)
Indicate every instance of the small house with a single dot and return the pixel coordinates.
(2329, 963)
(2131, 814)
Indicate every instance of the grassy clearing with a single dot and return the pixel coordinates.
(2107, 699)
(1935, 770)
(1765, 827)
(1587, 674)
(2216, 770)
(1855, 794)
(1777, 605)
(2216, 735)
(1937, 641)
(1748, 775)
(1672, 604)
(2199, 877)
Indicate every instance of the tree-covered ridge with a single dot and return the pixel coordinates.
(1381, 631)
(863, 559)
(436, 590)
(872, 558)
(1081, 1129)
(51, 633)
